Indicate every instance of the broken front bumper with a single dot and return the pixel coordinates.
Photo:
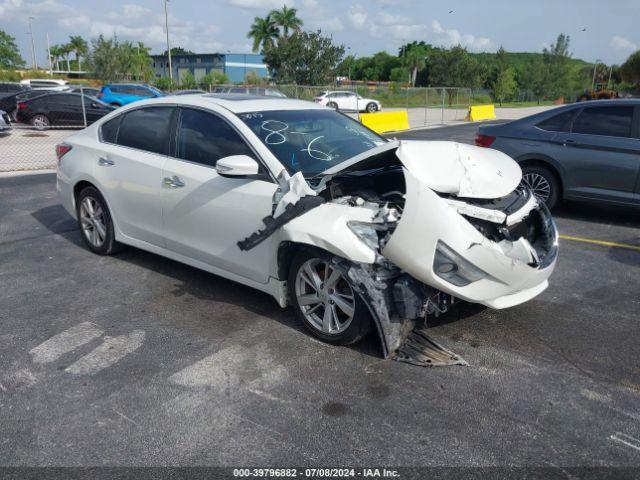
(427, 220)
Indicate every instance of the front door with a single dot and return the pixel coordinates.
(206, 214)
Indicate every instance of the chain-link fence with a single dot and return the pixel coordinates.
(35, 121)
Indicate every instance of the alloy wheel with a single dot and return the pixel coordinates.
(93, 221)
(40, 122)
(325, 298)
(538, 184)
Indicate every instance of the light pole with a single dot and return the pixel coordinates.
(166, 25)
(49, 55)
(593, 82)
(33, 45)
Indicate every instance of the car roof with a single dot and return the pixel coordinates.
(236, 103)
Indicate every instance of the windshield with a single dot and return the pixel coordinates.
(311, 141)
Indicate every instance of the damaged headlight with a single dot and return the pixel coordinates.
(451, 267)
(366, 233)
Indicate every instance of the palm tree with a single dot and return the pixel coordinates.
(65, 50)
(56, 53)
(78, 45)
(286, 19)
(263, 32)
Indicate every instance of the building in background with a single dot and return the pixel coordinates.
(236, 66)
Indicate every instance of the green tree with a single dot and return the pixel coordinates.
(56, 54)
(9, 53)
(178, 51)
(536, 78)
(287, 19)
(65, 51)
(80, 47)
(630, 69)
(414, 57)
(104, 58)
(263, 32)
(188, 81)
(505, 85)
(556, 60)
(304, 58)
(455, 68)
(253, 78)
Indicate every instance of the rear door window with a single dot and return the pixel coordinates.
(558, 123)
(109, 130)
(146, 129)
(611, 121)
(205, 138)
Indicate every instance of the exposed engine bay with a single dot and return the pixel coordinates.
(437, 234)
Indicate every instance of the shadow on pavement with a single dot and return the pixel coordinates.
(194, 282)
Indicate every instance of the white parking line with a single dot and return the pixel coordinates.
(627, 440)
(65, 342)
(109, 352)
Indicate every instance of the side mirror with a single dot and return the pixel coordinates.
(95, 105)
(237, 166)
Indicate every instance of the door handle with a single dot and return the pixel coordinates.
(173, 182)
(568, 141)
(105, 162)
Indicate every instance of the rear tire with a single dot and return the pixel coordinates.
(333, 105)
(543, 183)
(324, 300)
(40, 121)
(95, 222)
(371, 107)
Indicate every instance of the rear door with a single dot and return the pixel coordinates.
(129, 169)
(64, 109)
(206, 214)
(602, 154)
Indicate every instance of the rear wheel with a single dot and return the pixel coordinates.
(333, 105)
(372, 107)
(94, 220)
(325, 301)
(40, 121)
(543, 183)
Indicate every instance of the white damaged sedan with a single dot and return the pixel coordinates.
(354, 231)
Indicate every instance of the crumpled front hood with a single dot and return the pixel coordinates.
(459, 169)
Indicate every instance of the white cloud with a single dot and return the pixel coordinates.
(311, 4)
(357, 16)
(255, 4)
(620, 43)
(450, 37)
(332, 24)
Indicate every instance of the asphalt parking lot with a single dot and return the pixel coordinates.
(139, 360)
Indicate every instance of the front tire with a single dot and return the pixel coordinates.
(94, 220)
(325, 302)
(543, 183)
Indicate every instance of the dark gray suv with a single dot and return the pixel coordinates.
(584, 151)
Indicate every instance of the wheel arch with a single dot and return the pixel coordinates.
(288, 250)
(544, 161)
(83, 183)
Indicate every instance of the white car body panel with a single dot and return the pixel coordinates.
(459, 169)
(202, 223)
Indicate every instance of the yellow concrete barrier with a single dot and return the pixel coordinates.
(381, 122)
(481, 112)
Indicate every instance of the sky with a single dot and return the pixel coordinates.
(605, 31)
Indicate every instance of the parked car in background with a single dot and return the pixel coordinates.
(585, 151)
(119, 94)
(262, 91)
(9, 103)
(187, 92)
(5, 122)
(61, 109)
(91, 91)
(46, 84)
(347, 101)
(12, 87)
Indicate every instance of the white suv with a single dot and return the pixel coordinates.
(348, 101)
(46, 84)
